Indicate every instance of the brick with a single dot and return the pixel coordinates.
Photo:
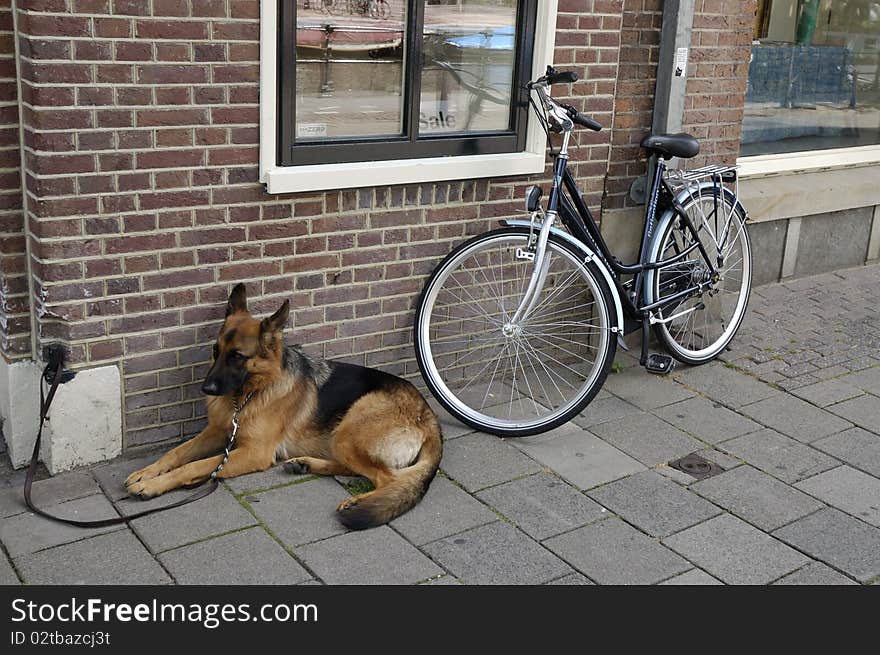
(246, 557)
(612, 552)
(363, 558)
(735, 552)
(115, 558)
(845, 543)
(496, 554)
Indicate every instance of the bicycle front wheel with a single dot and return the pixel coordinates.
(514, 378)
(698, 327)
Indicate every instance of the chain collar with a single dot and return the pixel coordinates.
(237, 407)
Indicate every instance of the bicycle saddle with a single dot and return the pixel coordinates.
(672, 145)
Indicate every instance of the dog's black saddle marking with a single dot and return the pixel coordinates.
(346, 384)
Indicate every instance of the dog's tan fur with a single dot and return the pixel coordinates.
(390, 436)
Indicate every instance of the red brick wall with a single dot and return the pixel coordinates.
(718, 69)
(14, 315)
(634, 100)
(717, 75)
(141, 135)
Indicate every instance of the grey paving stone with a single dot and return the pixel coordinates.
(479, 460)
(602, 410)
(815, 573)
(496, 553)
(274, 476)
(542, 505)
(51, 491)
(217, 513)
(580, 457)
(376, 556)
(301, 512)
(648, 439)
(654, 504)
(679, 477)
(796, 418)
(780, 456)
(442, 580)
(756, 497)
(858, 448)
(645, 391)
(723, 460)
(112, 475)
(572, 579)
(449, 426)
(444, 510)
(612, 552)
(707, 420)
(248, 556)
(867, 379)
(7, 574)
(845, 543)
(726, 385)
(692, 578)
(114, 559)
(28, 533)
(735, 552)
(848, 489)
(827, 392)
(864, 411)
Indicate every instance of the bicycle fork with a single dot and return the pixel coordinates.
(539, 273)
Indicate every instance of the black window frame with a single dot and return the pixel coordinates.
(410, 145)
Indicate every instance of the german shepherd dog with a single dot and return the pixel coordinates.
(316, 416)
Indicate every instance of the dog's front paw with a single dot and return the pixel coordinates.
(145, 489)
(295, 466)
(146, 473)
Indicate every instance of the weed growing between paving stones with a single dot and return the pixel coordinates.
(359, 486)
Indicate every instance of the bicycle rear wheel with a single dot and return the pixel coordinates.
(698, 327)
(514, 379)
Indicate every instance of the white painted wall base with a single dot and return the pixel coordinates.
(85, 422)
(19, 408)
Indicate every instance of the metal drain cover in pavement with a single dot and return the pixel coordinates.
(696, 466)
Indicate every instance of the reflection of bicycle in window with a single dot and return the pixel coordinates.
(378, 9)
(477, 86)
(334, 7)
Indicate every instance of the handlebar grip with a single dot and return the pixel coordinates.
(562, 77)
(586, 121)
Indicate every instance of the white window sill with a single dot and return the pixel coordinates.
(816, 160)
(290, 179)
(794, 185)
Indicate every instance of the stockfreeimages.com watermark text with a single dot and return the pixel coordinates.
(208, 615)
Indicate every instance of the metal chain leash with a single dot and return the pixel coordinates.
(236, 409)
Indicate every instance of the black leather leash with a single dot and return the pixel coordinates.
(45, 403)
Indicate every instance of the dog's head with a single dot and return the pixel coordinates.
(247, 350)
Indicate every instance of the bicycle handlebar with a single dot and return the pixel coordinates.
(562, 77)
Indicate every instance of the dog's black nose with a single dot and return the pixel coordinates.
(211, 388)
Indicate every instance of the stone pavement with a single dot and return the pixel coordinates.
(790, 417)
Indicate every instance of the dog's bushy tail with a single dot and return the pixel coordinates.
(405, 491)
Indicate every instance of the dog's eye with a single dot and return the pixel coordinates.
(239, 356)
(216, 351)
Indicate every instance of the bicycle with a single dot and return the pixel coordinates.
(516, 329)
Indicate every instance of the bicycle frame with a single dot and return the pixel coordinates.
(566, 202)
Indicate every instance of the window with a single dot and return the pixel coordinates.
(371, 80)
(814, 78)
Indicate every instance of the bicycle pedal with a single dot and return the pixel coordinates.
(659, 364)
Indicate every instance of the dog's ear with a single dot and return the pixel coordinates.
(277, 321)
(237, 299)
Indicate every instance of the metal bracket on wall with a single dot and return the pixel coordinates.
(671, 87)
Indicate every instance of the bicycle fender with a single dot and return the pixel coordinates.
(681, 197)
(684, 195)
(600, 264)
